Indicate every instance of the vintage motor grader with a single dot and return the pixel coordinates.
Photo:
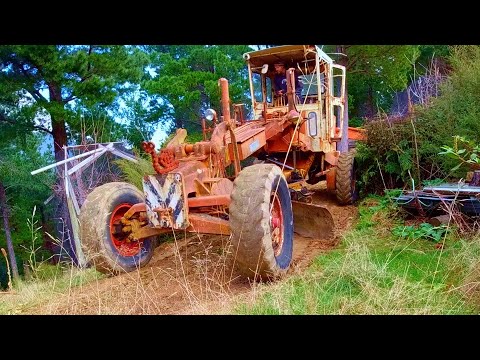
(247, 179)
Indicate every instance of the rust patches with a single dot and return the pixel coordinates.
(332, 157)
(356, 133)
(331, 175)
(207, 224)
(209, 200)
(140, 207)
(164, 161)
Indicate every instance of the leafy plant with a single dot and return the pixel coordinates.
(37, 255)
(433, 182)
(356, 122)
(386, 202)
(467, 152)
(423, 231)
(33, 247)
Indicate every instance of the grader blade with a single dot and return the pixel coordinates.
(312, 221)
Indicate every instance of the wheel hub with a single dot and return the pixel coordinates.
(124, 246)
(276, 225)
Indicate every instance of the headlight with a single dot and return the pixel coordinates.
(210, 114)
(312, 124)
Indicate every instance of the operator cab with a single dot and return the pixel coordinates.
(323, 82)
(311, 67)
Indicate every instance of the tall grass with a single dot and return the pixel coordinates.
(32, 296)
(374, 272)
(193, 273)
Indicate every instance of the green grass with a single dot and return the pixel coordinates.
(372, 271)
(50, 281)
(375, 272)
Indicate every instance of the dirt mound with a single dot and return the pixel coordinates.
(193, 274)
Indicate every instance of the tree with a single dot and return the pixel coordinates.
(19, 191)
(374, 73)
(51, 84)
(140, 117)
(428, 53)
(185, 80)
(8, 233)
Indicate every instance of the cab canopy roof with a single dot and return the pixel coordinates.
(289, 54)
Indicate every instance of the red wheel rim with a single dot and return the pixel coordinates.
(276, 224)
(123, 245)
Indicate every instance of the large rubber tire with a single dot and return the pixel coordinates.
(345, 178)
(251, 222)
(95, 234)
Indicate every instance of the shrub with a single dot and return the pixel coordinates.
(407, 149)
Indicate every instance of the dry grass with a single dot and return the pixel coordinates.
(191, 274)
(188, 275)
(27, 297)
(469, 258)
(194, 274)
(9, 284)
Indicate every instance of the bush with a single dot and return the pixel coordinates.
(408, 149)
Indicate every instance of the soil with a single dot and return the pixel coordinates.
(191, 275)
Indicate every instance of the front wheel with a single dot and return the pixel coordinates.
(261, 222)
(345, 178)
(108, 249)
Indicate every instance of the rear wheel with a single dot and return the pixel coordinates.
(104, 244)
(261, 222)
(345, 180)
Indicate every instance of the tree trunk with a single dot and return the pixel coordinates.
(178, 121)
(343, 60)
(370, 108)
(58, 124)
(8, 235)
(59, 138)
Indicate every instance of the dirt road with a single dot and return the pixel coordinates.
(191, 275)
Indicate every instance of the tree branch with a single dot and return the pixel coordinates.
(4, 119)
(358, 71)
(86, 77)
(34, 92)
(41, 128)
(351, 63)
(70, 98)
(90, 49)
(355, 59)
(37, 95)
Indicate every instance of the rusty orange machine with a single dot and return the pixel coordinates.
(247, 179)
